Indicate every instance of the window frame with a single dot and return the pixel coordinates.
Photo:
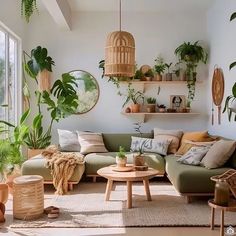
(18, 69)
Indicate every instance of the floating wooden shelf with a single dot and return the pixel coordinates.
(144, 115)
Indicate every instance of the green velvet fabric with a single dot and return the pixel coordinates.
(95, 161)
(114, 141)
(191, 179)
(36, 166)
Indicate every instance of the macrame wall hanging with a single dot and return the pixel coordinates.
(218, 87)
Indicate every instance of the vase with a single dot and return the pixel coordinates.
(121, 162)
(138, 160)
(222, 193)
(3, 193)
(232, 106)
(135, 108)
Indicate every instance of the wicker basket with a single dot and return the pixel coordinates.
(28, 197)
(229, 177)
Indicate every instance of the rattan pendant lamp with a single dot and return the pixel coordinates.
(120, 53)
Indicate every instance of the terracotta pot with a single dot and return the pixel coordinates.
(162, 110)
(44, 80)
(158, 77)
(135, 108)
(151, 108)
(169, 77)
(139, 160)
(148, 78)
(34, 152)
(121, 162)
(3, 193)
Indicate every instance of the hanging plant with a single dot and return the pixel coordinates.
(191, 55)
(27, 8)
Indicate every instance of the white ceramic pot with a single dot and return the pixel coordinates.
(232, 106)
(121, 162)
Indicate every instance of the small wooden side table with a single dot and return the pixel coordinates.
(230, 207)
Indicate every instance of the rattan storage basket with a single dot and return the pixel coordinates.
(28, 197)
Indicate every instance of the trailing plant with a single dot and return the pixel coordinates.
(168, 66)
(27, 8)
(229, 100)
(121, 154)
(132, 95)
(151, 100)
(191, 55)
(160, 66)
(39, 61)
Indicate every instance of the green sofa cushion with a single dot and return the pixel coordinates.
(36, 166)
(95, 161)
(114, 141)
(191, 179)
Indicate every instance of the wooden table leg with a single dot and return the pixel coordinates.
(212, 218)
(129, 194)
(147, 189)
(108, 189)
(222, 224)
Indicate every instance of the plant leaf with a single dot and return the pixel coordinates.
(232, 65)
(233, 16)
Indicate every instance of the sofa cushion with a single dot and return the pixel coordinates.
(197, 136)
(114, 141)
(191, 179)
(36, 166)
(68, 141)
(95, 161)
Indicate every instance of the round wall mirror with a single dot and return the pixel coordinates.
(87, 90)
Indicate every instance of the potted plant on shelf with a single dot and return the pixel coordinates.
(179, 72)
(133, 96)
(149, 75)
(159, 68)
(138, 75)
(162, 108)
(151, 104)
(121, 159)
(39, 67)
(168, 74)
(191, 55)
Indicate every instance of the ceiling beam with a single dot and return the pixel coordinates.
(60, 12)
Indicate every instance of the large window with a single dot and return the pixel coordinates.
(10, 92)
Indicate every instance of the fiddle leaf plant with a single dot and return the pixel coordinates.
(27, 8)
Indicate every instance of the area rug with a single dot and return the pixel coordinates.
(85, 208)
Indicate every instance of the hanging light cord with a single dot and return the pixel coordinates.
(120, 15)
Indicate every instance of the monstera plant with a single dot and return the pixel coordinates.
(230, 102)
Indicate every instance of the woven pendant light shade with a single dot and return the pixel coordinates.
(120, 54)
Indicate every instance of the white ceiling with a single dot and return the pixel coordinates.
(141, 5)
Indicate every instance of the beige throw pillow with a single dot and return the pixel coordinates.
(91, 142)
(173, 135)
(219, 154)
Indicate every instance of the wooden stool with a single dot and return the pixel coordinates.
(230, 207)
(28, 197)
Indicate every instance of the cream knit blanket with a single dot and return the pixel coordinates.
(62, 166)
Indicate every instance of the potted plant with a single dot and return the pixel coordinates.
(133, 96)
(151, 104)
(138, 75)
(27, 8)
(162, 108)
(179, 72)
(149, 75)
(121, 159)
(191, 55)
(159, 68)
(39, 66)
(168, 74)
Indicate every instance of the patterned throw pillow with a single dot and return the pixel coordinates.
(194, 156)
(149, 145)
(68, 141)
(91, 142)
(173, 135)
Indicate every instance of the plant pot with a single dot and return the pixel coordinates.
(148, 78)
(34, 152)
(138, 160)
(162, 110)
(121, 162)
(185, 110)
(3, 193)
(151, 108)
(158, 77)
(135, 108)
(44, 80)
(169, 77)
(232, 106)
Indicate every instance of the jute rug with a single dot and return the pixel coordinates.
(85, 208)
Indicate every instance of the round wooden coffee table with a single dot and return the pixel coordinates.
(129, 178)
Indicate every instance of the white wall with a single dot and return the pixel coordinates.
(222, 40)
(83, 48)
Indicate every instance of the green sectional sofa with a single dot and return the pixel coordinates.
(188, 180)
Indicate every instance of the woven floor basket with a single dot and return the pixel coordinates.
(229, 177)
(28, 197)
